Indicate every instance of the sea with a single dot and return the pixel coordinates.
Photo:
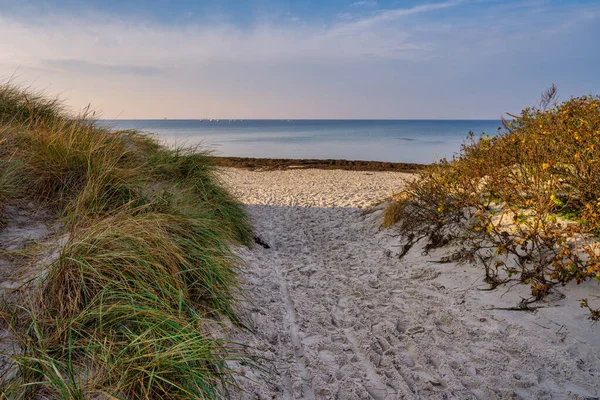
(409, 141)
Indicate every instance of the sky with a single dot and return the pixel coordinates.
(366, 59)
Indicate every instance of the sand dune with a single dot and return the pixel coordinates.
(340, 316)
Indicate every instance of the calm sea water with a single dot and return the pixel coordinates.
(414, 141)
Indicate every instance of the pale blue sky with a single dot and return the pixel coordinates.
(311, 59)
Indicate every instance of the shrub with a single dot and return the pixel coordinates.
(525, 202)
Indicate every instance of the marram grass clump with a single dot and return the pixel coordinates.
(132, 306)
(177, 258)
(524, 203)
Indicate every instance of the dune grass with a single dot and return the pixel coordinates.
(178, 258)
(9, 183)
(132, 306)
(524, 203)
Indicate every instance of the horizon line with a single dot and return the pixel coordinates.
(298, 119)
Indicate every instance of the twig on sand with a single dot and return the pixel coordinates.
(528, 309)
(520, 307)
(258, 240)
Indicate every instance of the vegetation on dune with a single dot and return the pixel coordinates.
(9, 183)
(193, 168)
(524, 203)
(285, 163)
(132, 306)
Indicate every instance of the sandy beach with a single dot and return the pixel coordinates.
(338, 315)
(300, 200)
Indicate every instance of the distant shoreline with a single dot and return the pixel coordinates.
(400, 141)
(287, 163)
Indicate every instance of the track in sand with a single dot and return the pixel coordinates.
(339, 316)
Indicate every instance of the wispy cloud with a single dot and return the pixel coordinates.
(86, 67)
(364, 3)
(372, 61)
(381, 19)
(101, 38)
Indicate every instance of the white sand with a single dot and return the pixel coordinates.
(31, 232)
(341, 317)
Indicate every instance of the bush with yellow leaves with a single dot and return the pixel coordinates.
(525, 203)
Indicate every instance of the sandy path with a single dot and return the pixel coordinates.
(342, 318)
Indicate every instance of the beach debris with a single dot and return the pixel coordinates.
(258, 240)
